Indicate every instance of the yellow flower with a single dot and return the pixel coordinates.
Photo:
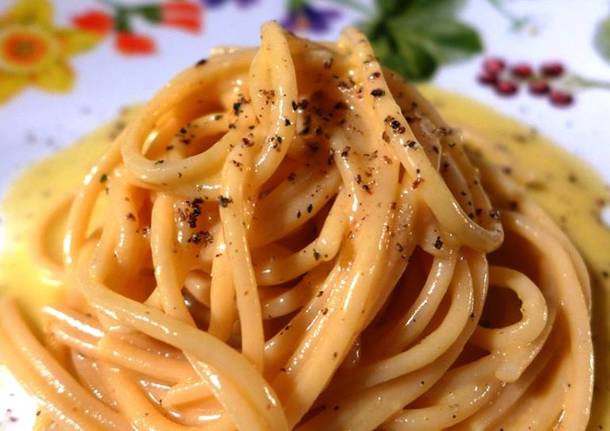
(35, 52)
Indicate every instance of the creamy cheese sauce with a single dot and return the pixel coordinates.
(566, 187)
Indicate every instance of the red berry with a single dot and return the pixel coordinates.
(522, 70)
(561, 98)
(539, 87)
(487, 78)
(494, 65)
(506, 88)
(552, 69)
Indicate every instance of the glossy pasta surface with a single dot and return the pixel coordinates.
(293, 238)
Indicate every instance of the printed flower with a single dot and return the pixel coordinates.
(186, 16)
(215, 3)
(305, 17)
(183, 15)
(95, 21)
(35, 52)
(134, 44)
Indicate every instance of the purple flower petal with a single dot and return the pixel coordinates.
(212, 3)
(310, 18)
(216, 3)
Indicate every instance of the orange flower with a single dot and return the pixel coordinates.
(186, 16)
(96, 21)
(35, 52)
(134, 44)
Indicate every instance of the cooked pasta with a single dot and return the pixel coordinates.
(292, 238)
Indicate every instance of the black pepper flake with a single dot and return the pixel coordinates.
(299, 214)
(103, 178)
(396, 126)
(417, 182)
(159, 162)
(320, 293)
(224, 201)
(192, 213)
(494, 214)
(375, 75)
(201, 62)
(295, 106)
(444, 131)
(378, 92)
(309, 208)
(287, 122)
(438, 244)
(324, 311)
(328, 63)
(292, 176)
(246, 142)
(410, 143)
(130, 216)
(316, 254)
(345, 152)
(237, 108)
(367, 189)
(203, 236)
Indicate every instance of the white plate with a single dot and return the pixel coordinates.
(36, 123)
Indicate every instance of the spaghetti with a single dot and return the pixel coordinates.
(294, 239)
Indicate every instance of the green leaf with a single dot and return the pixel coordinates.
(416, 36)
(407, 59)
(446, 39)
(295, 5)
(437, 8)
(121, 20)
(602, 39)
(150, 12)
(387, 7)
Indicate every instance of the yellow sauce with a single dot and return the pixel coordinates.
(566, 187)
